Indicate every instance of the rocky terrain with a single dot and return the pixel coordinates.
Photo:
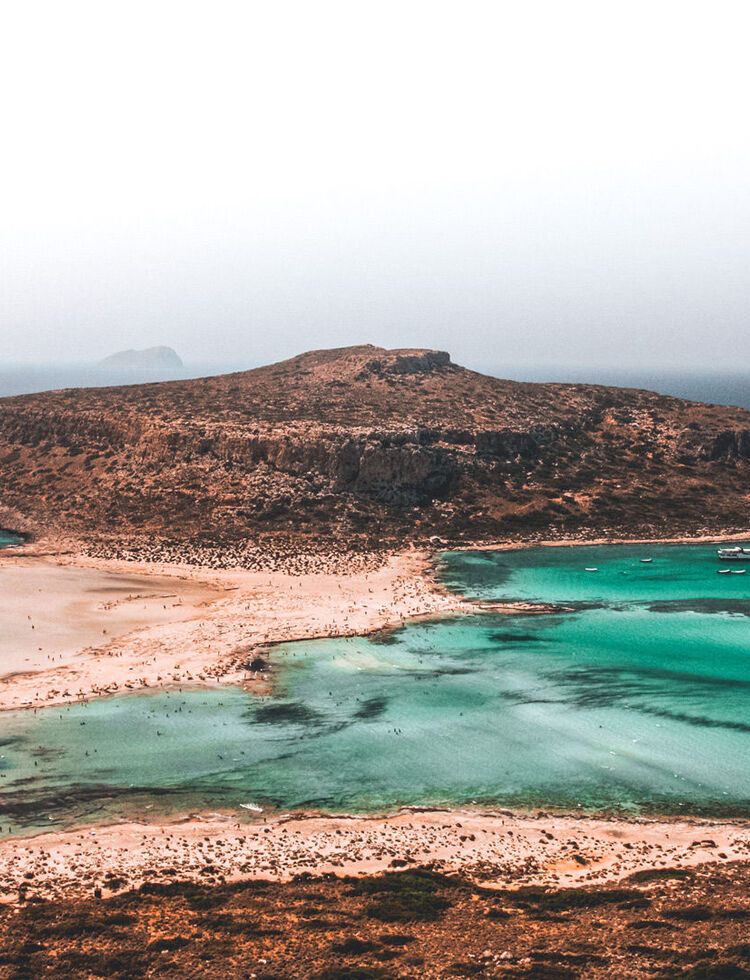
(664, 924)
(365, 448)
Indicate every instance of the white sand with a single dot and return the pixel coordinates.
(499, 849)
(77, 629)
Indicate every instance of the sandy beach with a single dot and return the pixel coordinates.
(78, 628)
(499, 848)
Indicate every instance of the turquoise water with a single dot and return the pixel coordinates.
(639, 698)
(676, 573)
(7, 538)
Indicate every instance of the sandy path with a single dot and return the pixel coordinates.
(106, 627)
(500, 849)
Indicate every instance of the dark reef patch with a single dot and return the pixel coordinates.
(371, 708)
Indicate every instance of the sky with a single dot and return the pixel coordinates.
(536, 182)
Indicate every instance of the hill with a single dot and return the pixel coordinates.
(366, 447)
(152, 358)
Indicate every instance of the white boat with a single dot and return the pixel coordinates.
(739, 571)
(724, 571)
(592, 569)
(646, 561)
(734, 554)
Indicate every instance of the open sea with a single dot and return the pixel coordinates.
(24, 379)
(635, 698)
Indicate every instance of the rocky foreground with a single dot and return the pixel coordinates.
(362, 448)
(665, 924)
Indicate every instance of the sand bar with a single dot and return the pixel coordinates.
(80, 628)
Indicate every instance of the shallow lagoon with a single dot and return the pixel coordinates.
(8, 538)
(640, 698)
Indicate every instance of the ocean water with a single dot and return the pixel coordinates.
(7, 538)
(23, 379)
(714, 387)
(681, 575)
(638, 699)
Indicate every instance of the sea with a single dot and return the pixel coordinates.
(633, 697)
(24, 379)
(713, 387)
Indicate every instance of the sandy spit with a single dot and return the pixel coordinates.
(76, 628)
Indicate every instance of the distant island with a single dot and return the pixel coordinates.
(137, 360)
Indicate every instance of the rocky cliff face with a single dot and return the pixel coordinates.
(372, 447)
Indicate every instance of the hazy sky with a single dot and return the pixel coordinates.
(525, 181)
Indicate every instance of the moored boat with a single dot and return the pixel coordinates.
(734, 554)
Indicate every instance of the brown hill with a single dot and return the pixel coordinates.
(365, 446)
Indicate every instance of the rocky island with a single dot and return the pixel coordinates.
(150, 359)
(367, 449)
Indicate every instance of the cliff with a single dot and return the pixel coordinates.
(369, 447)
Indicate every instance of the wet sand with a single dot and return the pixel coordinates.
(499, 848)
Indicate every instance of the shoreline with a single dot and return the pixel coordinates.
(235, 616)
(496, 848)
(720, 537)
(222, 622)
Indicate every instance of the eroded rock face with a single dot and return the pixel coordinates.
(729, 444)
(507, 444)
(369, 444)
(418, 362)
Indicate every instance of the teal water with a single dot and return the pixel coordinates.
(637, 699)
(677, 573)
(7, 538)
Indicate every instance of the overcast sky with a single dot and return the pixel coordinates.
(537, 182)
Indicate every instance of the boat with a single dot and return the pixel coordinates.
(734, 554)
(646, 561)
(724, 571)
(592, 569)
(739, 571)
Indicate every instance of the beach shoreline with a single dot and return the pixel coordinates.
(217, 623)
(495, 847)
(223, 618)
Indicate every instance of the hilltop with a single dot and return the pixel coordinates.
(364, 447)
